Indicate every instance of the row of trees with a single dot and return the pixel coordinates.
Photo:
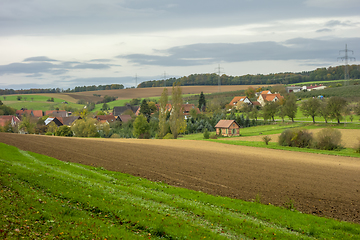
(320, 74)
(58, 90)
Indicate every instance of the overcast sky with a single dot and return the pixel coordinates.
(68, 43)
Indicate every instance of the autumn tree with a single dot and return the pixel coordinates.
(177, 121)
(162, 113)
(311, 108)
(86, 127)
(27, 125)
(250, 92)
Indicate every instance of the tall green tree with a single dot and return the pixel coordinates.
(202, 102)
(145, 110)
(290, 106)
(311, 108)
(162, 113)
(336, 106)
(141, 127)
(324, 111)
(269, 110)
(177, 121)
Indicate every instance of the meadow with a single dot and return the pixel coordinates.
(44, 198)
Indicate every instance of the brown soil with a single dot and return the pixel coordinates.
(319, 184)
(143, 92)
(349, 137)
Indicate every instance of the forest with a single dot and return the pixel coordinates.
(320, 74)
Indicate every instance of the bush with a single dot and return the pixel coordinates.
(303, 138)
(49, 133)
(285, 138)
(64, 131)
(115, 135)
(266, 139)
(296, 138)
(206, 134)
(357, 146)
(214, 136)
(328, 139)
(145, 135)
(168, 136)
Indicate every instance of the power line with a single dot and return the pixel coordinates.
(218, 69)
(136, 80)
(346, 58)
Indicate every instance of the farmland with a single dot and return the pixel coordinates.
(318, 184)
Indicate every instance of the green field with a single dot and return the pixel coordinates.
(36, 102)
(44, 198)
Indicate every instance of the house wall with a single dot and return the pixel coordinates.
(229, 131)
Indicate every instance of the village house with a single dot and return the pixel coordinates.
(5, 119)
(263, 98)
(117, 111)
(227, 128)
(240, 99)
(56, 113)
(31, 113)
(187, 108)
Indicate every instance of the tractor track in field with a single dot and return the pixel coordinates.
(318, 184)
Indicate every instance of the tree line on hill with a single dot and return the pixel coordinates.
(58, 90)
(320, 74)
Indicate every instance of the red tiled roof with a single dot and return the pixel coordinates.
(236, 100)
(109, 118)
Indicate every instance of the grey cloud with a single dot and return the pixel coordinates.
(334, 23)
(91, 66)
(324, 30)
(31, 68)
(40, 65)
(100, 60)
(201, 54)
(35, 75)
(39, 59)
(113, 16)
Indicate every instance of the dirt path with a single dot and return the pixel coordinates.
(319, 184)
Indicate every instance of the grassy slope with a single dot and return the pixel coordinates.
(46, 198)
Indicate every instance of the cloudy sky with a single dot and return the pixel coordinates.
(68, 43)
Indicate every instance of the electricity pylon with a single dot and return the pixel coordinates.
(219, 72)
(346, 58)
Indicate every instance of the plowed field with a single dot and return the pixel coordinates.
(319, 184)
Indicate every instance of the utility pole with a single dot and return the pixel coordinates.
(346, 58)
(164, 79)
(218, 69)
(136, 80)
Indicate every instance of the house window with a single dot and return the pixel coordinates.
(226, 131)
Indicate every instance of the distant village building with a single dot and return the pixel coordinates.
(263, 98)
